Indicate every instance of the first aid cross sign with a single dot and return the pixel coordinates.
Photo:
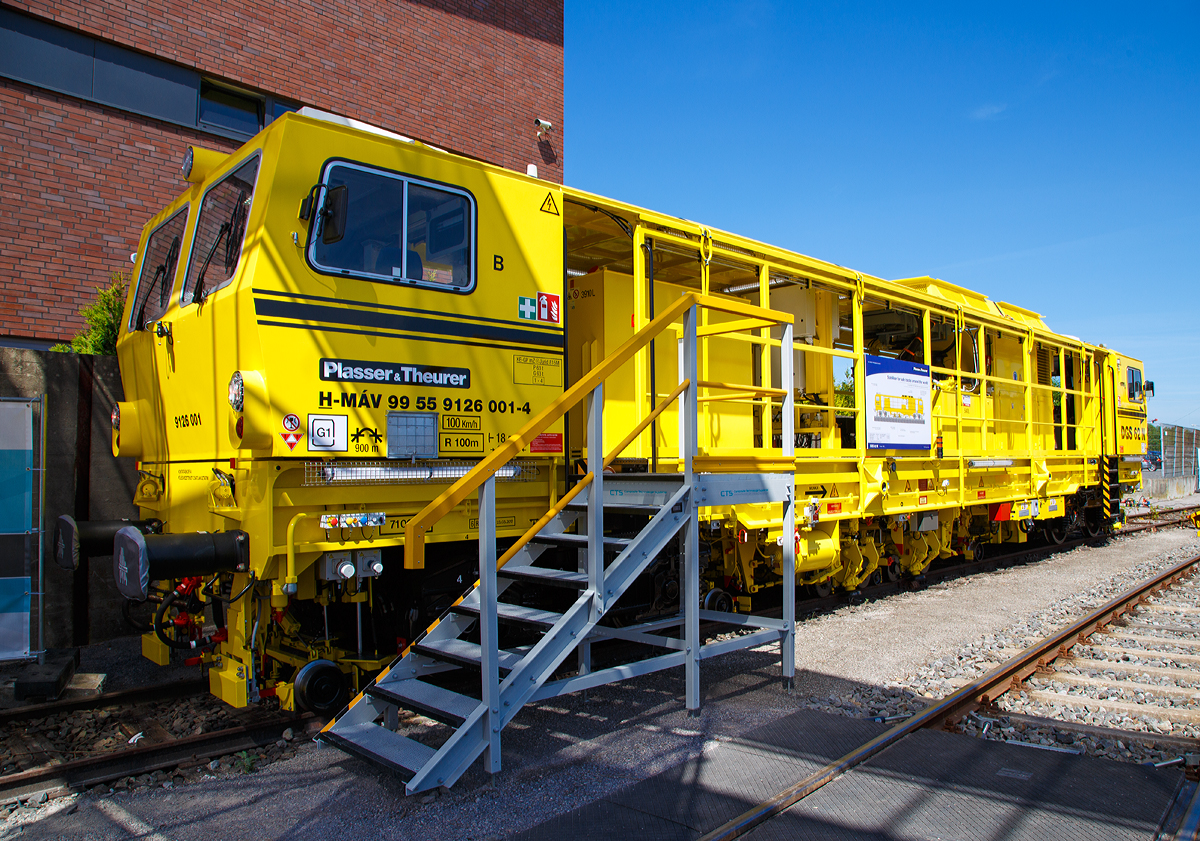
(527, 308)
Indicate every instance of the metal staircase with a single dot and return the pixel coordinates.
(466, 637)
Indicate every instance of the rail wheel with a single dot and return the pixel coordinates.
(891, 572)
(822, 589)
(1056, 533)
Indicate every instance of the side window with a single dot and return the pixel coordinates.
(383, 226)
(157, 278)
(220, 230)
(1135, 384)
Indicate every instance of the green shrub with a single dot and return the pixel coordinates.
(103, 317)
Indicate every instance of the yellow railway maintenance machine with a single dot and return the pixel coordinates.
(371, 385)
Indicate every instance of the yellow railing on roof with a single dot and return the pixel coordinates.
(444, 503)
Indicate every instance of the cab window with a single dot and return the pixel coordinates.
(383, 226)
(157, 278)
(220, 230)
(1135, 384)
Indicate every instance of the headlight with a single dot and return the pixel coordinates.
(237, 392)
(116, 417)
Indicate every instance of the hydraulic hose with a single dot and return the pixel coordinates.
(180, 645)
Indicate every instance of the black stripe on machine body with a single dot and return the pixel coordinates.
(1122, 413)
(411, 323)
(367, 305)
(413, 337)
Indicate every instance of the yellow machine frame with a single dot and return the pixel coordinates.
(1028, 429)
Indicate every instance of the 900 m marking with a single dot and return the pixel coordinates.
(186, 420)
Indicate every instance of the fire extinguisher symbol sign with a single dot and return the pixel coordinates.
(547, 308)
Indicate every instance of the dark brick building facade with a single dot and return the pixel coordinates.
(99, 98)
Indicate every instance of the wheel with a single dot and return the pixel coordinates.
(876, 578)
(891, 572)
(320, 688)
(1093, 526)
(1056, 532)
(822, 590)
(718, 600)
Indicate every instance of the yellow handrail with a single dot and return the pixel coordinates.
(587, 480)
(418, 526)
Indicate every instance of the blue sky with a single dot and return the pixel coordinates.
(1047, 155)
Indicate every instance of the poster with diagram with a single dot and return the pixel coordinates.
(898, 405)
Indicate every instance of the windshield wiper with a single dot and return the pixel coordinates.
(160, 271)
(198, 293)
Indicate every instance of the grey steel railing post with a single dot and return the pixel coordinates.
(787, 645)
(488, 630)
(691, 531)
(595, 509)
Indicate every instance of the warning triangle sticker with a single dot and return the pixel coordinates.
(548, 206)
(290, 438)
(907, 487)
(833, 491)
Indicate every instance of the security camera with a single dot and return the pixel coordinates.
(542, 126)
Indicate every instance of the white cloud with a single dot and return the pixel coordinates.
(988, 112)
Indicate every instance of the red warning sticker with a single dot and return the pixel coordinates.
(982, 495)
(833, 508)
(547, 442)
(291, 423)
(290, 438)
(547, 308)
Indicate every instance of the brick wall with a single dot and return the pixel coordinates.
(80, 180)
(467, 75)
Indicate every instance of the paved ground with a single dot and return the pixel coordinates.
(575, 750)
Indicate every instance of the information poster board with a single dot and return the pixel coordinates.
(898, 405)
(16, 521)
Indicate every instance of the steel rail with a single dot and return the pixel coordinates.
(139, 695)
(978, 693)
(76, 775)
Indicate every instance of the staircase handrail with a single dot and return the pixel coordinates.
(419, 525)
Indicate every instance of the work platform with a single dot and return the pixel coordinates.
(931, 785)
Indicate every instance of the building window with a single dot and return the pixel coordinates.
(223, 109)
(58, 59)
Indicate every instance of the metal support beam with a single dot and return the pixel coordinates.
(691, 531)
(488, 630)
(787, 644)
(595, 510)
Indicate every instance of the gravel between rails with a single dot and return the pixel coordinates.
(879, 658)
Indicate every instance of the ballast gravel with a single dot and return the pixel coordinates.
(885, 659)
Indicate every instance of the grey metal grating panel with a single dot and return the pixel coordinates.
(412, 434)
(946, 786)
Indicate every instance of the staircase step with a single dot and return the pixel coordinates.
(378, 744)
(628, 507)
(580, 541)
(465, 653)
(542, 575)
(514, 613)
(425, 698)
(677, 478)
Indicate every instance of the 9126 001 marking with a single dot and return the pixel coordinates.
(187, 420)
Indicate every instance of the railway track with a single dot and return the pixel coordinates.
(68, 746)
(1095, 642)
(35, 762)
